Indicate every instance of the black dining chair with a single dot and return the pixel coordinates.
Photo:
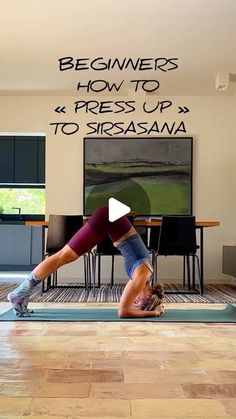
(61, 229)
(104, 248)
(177, 237)
(153, 246)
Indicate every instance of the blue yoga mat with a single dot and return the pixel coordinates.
(226, 315)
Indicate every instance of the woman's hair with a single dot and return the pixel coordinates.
(156, 298)
(158, 290)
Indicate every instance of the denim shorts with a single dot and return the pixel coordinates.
(134, 252)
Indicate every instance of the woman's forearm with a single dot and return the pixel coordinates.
(134, 312)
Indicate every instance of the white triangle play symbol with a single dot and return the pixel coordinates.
(117, 209)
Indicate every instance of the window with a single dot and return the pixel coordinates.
(24, 200)
(22, 174)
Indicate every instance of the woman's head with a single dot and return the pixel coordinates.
(150, 297)
(156, 298)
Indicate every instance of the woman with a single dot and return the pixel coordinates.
(139, 299)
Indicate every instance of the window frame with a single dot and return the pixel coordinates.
(24, 185)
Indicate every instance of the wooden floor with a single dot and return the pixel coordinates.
(109, 370)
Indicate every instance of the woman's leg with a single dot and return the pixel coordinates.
(80, 243)
(100, 223)
(19, 297)
(84, 240)
(54, 262)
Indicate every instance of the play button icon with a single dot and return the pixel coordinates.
(117, 209)
(127, 193)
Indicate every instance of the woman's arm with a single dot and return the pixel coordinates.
(134, 312)
(131, 291)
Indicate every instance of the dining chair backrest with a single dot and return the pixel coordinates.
(177, 236)
(61, 229)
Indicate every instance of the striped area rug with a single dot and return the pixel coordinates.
(214, 293)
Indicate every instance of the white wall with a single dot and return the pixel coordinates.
(234, 173)
(210, 121)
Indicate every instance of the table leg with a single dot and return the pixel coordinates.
(201, 262)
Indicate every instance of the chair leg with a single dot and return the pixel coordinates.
(155, 268)
(112, 270)
(89, 273)
(156, 278)
(193, 271)
(42, 289)
(201, 285)
(94, 256)
(49, 282)
(46, 283)
(154, 275)
(188, 272)
(85, 272)
(54, 279)
(99, 271)
(184, 271)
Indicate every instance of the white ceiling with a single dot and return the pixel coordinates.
(34, 34)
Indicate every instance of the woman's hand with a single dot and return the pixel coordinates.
(160, 310)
